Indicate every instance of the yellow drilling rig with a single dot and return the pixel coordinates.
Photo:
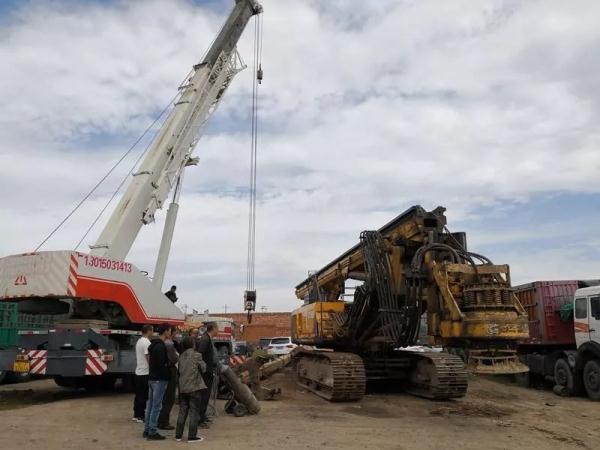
(411, 268)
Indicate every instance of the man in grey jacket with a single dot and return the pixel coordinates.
(191, 386)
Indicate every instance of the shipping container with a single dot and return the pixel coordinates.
(543, 301)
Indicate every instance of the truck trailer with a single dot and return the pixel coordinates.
(563, 347)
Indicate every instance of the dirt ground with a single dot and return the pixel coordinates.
(494, 415)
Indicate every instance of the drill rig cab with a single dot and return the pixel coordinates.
(411, 266)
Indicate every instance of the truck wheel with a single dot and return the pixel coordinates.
(563, 376)
(69, 382)
(2, 375)
(13, 377)
(99, 383)
(240, 410)
(591, 379)
(523, 379)
(128, 383)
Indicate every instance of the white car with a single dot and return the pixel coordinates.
(280, 346)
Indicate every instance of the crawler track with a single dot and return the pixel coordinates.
(335, 376)
(438, 376)
(338, 376)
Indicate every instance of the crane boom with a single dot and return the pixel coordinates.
(173, 145)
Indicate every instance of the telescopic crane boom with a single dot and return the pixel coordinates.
(172, 148)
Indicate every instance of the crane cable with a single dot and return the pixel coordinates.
(256, 81)
(114, 194)
(108, 173)
(112, 169)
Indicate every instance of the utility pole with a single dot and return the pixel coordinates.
(225, 307)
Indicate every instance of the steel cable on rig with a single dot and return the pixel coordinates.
(375, 305)
(250, 294)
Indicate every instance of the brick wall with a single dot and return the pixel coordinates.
(269, 324)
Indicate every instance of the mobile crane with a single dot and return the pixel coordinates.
(106, 299)
(411, 266)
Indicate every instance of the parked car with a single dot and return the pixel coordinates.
(264, 342)
(280, 346)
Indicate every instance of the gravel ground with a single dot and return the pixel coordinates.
(495, 415)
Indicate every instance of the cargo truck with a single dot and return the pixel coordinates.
(563, 347)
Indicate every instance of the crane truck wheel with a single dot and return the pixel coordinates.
(563, 377)
(591, 379)
(128, 383)
(100, 383)
(65, 382)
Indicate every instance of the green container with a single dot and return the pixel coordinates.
(11, 322)
(9, 333)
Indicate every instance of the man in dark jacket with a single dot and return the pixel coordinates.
(164, 418)
(158, 378)
(171, 295)
(209, 355)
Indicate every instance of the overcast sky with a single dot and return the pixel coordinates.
(489, 108)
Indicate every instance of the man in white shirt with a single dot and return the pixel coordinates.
(142, 369)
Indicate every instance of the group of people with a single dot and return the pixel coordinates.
(165, 366)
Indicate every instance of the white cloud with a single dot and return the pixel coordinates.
(366, 108)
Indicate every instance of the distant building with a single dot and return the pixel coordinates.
(264, 324)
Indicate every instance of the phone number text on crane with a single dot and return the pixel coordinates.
(108, 264)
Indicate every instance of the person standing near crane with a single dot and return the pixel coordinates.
(209, 355)
(164, 418)
(141, 374)
(191, 388)
(171, 294)
(158, 379)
